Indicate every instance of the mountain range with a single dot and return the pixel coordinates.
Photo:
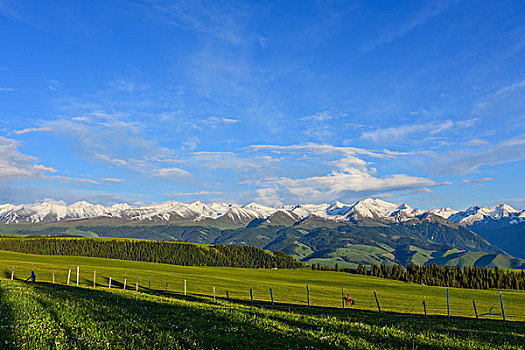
(368, 231)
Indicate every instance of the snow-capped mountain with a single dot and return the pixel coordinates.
(48, 212)
(476, 214)
(501, 225)
(444, 212)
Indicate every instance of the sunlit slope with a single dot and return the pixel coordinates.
(39, 316)
(288, 286)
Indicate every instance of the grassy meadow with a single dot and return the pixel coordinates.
(46, 316)
(288, 286)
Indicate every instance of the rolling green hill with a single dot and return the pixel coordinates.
(316, 240)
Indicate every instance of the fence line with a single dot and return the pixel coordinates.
(271, 294)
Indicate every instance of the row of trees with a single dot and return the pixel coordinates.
(446, 276)
(175, 253)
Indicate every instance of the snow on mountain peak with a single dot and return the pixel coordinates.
(369, 208)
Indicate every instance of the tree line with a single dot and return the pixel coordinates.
(175, 253)
(447, 276)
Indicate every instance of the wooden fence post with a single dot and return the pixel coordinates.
(448, 304)
(308, 295)
(149, 286)
(53, 278)
(184, 287)
(109, 286)
(125, 280)
(214, 294)
(271, 295)
(502, 308)
(137, 285)
(377, 301)
(68, 276)
(78, 272)
(425, 307)
(13, 273)
(94, 278)
(475, 310)
(251, 295)
(166, 287)
(343, 297)
(227, 296)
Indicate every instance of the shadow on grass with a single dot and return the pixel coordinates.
(189, 325)
(491, 332)
(7, 318)
(132, 322)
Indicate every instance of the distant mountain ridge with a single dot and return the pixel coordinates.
(368, 231)
(476, 214)
(501, 225)
(46, 212)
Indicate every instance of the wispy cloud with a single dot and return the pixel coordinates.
(418, 191)
(173, 173)
(466, 162)
(29, 130)
(6, 89)
(319, 149)
(112, 179)
(189, 194)
(485, 179)
(75, 179)
(14, 165)
(45, 168)
(215, 121)
(221, 21)
(433, 9)
(477, 142)
(191, 143)
(52, 84)
(432, 128)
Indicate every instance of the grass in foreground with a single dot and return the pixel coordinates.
(46, 316)
(288, 286)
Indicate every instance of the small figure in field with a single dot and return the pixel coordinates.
(349, 300)
(32, 277)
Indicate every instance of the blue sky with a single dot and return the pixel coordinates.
(275, 102)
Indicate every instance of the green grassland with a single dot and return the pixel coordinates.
(46, 316)
(288, 286)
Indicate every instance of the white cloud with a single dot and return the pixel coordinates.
(173, 173)
(28, 130)
(221, 160)
(224, 22)
(269, 196)
(477, 142)
(434, 8)
(45, 168)
(52, 84)
(418, 191)
(216, 121)
(75, 179)
(320, 117)
(6, 89)
(187, 194)
(112, 179)
(400, 132)
(319, 149)
(465, 162)
(485, 179)
(338, 184)
(14, 165)
(191, 143)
